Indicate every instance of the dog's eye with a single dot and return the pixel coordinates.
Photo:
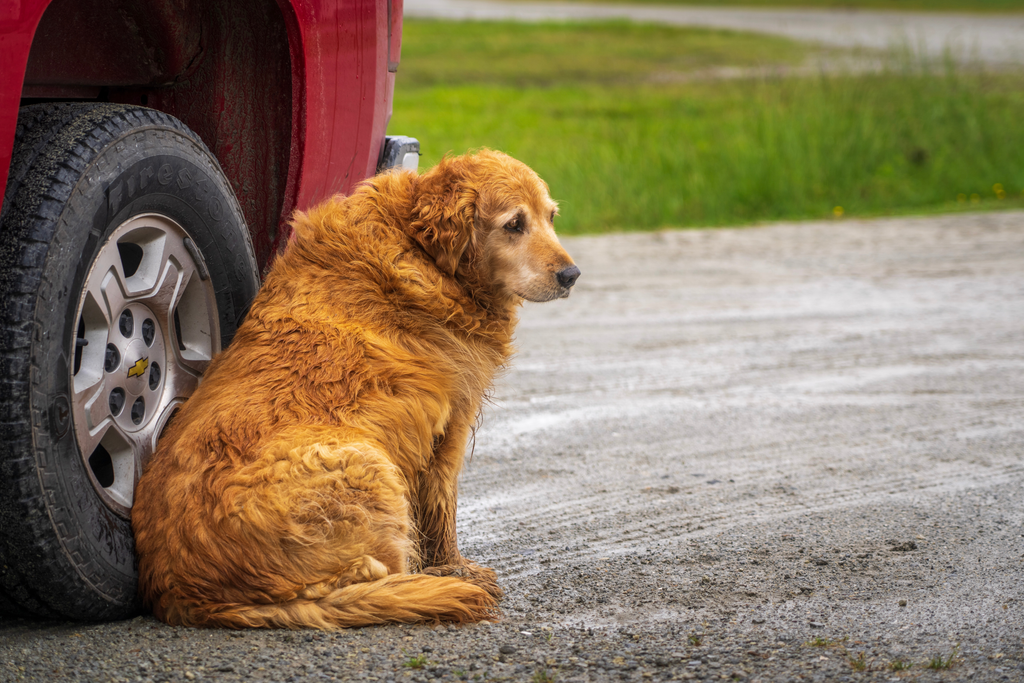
(553, 216)
(515, 225)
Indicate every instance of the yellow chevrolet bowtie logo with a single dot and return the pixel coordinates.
(139, 369)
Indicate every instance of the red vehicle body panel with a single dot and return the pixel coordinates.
(292, 96)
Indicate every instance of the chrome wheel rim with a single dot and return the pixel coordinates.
(147, 328)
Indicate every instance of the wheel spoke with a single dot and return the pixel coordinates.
(96, 401)
(180, 293)
(144, 249)
(199, 332)
(124, 455)
(173, 281)
(181, 382)
(90, 437)
(153, 431)
(88, 381)
(105, 286)
(174, 251)
(113, 456)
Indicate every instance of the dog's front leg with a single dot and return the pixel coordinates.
(437, 505)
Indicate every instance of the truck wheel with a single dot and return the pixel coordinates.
(125, 265)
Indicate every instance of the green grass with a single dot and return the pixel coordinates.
(417, 662)
(519, 55)
(825, 642)
(939, 663)
(858, 663)
(623, 147)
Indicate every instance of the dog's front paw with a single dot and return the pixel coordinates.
(471, 572)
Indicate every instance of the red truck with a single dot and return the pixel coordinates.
(152, 152)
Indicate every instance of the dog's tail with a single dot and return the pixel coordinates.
(396, 598)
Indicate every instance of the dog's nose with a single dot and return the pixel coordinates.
(567, 276)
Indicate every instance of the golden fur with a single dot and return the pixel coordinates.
(311, 480)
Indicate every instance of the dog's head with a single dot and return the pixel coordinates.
(488, 218)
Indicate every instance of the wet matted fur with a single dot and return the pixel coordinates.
(311, 480)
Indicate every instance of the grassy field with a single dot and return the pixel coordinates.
(544, 55)
(630, 133)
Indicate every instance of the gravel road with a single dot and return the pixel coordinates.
(986, 37)
(790, 452)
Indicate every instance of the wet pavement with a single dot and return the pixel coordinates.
(778, 453)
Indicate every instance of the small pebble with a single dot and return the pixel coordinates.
(507, 649)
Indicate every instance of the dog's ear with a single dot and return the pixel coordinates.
(444, 210)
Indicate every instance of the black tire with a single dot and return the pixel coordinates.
(81, 173)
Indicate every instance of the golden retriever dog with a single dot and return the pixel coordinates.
(311, 480)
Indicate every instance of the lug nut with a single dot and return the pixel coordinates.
(112, 359)
(126, 323)
(138, 410)
(148, 331)
(116, 401)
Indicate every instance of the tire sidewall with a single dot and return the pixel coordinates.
(146, 170)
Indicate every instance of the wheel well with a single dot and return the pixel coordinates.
(223, 67)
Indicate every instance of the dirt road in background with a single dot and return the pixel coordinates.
(986, 37)
(775, 453)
